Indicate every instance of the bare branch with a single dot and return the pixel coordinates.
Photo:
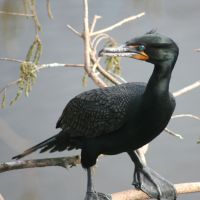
(87, 49)
(35, 16)
(96, 17)
(12, 60)
(75, 160)
(49, 9)
(38, 67)
(74, 30)
(107, 75)
(22, 164)
(86, 36)
(118, 77)
(51, 65)
(198, 50)
(182, 188)
(103, 71)
(180, 116)
(1, 197)
(97, 41)
(42, 66)
(118, 24)
(187, 89)
(173, 133)
(186, 115)
(16, 14)
(105, 35)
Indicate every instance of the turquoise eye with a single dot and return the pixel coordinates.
(141, 47)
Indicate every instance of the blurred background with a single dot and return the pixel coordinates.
(33, 119)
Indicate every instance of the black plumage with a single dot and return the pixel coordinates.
(121, 118)
(99, 111)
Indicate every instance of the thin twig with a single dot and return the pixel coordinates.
(187, 89)
(51, 65)
(103, 37)
(49, 9)
(180, 116)
(97, 37)
(74, 30)
(118, 77)
(182, 188)
(103, 71)
(22, 164)
(12, 60)
(9, 85)
(118, 24)
(37, 68)
(107, 75)
(173, 133)
(186, 115)
(41, 66)
(96, 17)
(16, 14)
(35, 17)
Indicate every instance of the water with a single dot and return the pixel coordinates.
(33, 119)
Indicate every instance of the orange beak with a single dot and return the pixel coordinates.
(141, 56)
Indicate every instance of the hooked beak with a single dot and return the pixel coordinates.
(124, 51)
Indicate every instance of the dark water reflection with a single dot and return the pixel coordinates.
(34, 118)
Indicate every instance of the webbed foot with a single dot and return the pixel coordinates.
(97, 196)
(153, 184)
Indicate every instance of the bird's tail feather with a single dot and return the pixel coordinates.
(44, 146)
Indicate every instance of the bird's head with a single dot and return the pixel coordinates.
(151, 47)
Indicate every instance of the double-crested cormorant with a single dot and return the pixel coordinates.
(122, 118)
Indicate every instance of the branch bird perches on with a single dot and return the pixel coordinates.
(67, 162)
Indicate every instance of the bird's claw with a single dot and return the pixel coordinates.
(153, 184)
(97, 196)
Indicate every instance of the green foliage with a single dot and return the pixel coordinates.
(34, 51)
(3, 102)
(112, 63)
(28, 70)
(85, 79)
(28, 76)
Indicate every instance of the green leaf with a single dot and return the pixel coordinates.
(3, 102)
(85, 79)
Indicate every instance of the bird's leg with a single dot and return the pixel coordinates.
(91, 194)
(149, 181)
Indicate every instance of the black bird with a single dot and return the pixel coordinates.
(122, 118)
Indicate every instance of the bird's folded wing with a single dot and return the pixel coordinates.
(99, 111)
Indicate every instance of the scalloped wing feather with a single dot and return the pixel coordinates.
(98, 111)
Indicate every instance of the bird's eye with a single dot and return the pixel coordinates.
(141, 47)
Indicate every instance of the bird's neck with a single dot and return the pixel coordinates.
(159, 81)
